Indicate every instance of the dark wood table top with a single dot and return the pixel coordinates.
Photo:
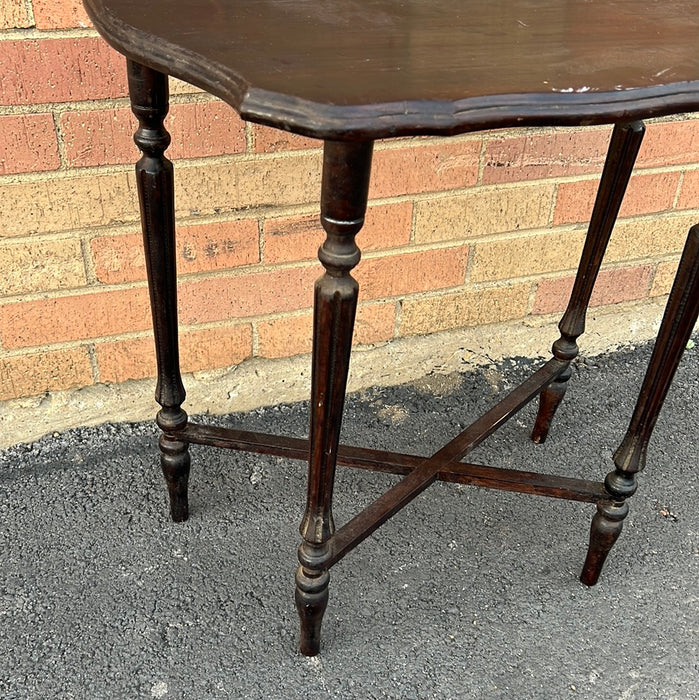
(376, 68)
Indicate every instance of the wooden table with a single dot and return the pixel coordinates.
(353, 71)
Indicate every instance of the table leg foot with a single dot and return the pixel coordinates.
(549, 401)
(604, 532)
(311, 602)
(607, 523)
(175, 463)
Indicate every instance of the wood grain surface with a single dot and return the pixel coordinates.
(368, 68)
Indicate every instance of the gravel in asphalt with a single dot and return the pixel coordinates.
(467, 593)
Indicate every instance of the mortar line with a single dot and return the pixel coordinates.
(34, 34)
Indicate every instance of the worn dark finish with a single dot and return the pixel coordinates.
(369, 69)
(350, 72)
(623, 149)
(676, 328)
(154, 180)
(394, 463)
(607, 523)
(604, 532)
(344, 192)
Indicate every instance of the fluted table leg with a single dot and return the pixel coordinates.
(154, 179)
(675, 330)
(346, 170)
(621, 156)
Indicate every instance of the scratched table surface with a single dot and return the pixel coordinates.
(386, 67)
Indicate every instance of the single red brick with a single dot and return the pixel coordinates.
(243, 296)
(285, 337)
(75, 317)
(298, 238)
(646, 193)
(650, 193)
(424, 270)
(211, 348)
(537, 156)
(14, 15)
(59, 70)
(104, 137)
(64, 14)
(121, 360)
(38, 264)
(375, 323)
(29, 375)
(689, 194)
(292, 238)
(268, 140)
(292, 335)
(612, 287)
(200, 349)
(28, 145)
(669, 143)
(200, 248)
(663, 278)
(424, 168)
(627, 284)
(118, 258)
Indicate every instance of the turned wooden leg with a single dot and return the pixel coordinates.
(346, 170)
(621, 156)
(675, 330)
(148, 90)
(607, 524)
(551, 397)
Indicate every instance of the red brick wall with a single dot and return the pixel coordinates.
(460, 232)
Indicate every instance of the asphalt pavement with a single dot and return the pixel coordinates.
(467, 593)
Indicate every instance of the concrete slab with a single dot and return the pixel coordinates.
(261, 382)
